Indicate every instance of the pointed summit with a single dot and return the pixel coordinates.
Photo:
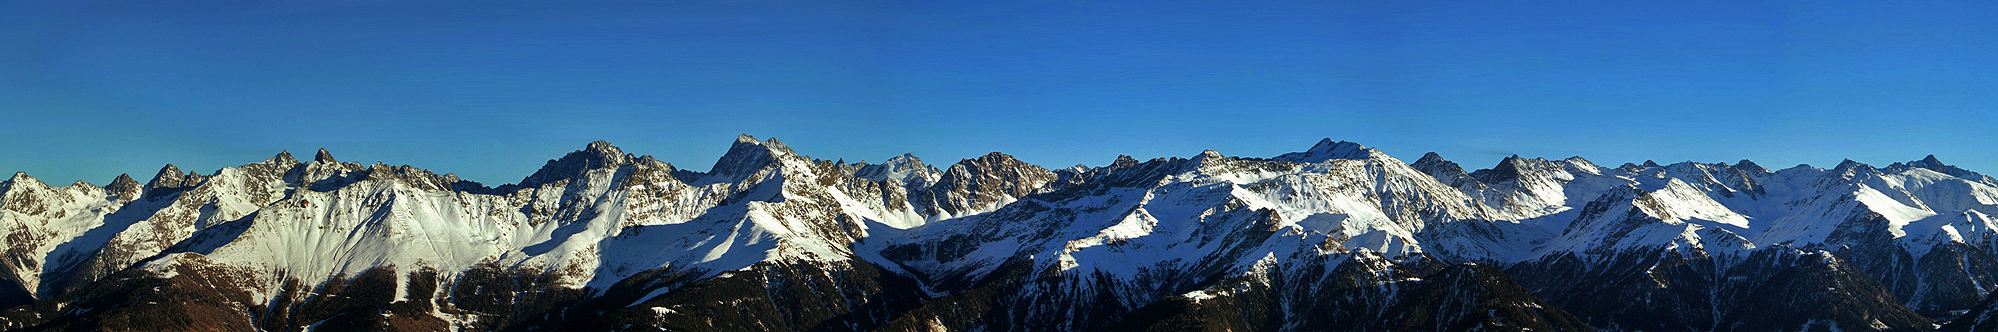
(1209, 154)
(1751, 167)
(283, 157)
(596, 155)
(1851, 168)
(905, 169)
(1445, 171)
(124, 187)
(1508, 169)
(1430, 157)
(124, 180)
(976, 184)
(18, 176)
(747, 156)
(1934, 164)
(603, 148)
(324, 157)
(169, 176)
(1327, 149)
(1123, 160)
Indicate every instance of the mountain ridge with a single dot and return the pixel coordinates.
(1319, 238)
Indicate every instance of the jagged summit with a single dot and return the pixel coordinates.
(1750, 167)
(169, 176)
(1931, 161)
(1849, 165)
(1431, 157)
(1934, 164)
(595, 155)
(1443, 169)
(1508, 169)
(324, 157)
(1209, 154)
(1432, 162)
(993, 242)
(283, 157)
(19, 176)
(748, 156)
(905, 169)
(124, 186)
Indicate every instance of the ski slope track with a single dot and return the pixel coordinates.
(1338, 236)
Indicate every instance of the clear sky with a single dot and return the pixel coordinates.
(490, 89)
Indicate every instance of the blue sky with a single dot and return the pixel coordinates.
(490, 89)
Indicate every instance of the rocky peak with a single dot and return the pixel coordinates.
(1434, 163)
(1443, 170)
(1751, 167)
(1849, 169)
(415, 177)
(1930, 161)
(1933, 164)
(324, 157)
(124, 187)
(282, 158)
(1327, 149)
(747, 156)
(170, 177)
(1208, 154)
(975, 184)
(1123, 161)
(596, 155)
(905, 169)
(19, 179)
(1849, 166)
(1508, 169)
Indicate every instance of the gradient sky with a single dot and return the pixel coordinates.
(490, 89)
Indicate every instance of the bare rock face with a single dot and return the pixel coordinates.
(974, 185)
(1336, 237)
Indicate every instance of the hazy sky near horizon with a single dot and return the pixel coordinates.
(490, 89)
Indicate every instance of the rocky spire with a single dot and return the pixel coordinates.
(124, 187)
(1930, 161)
(169, 176)
(905, 169)
(324, 157)
(1443, 170)
(1849, 168)
(1122, 161)
(1507, 169)
(1751, 167)
(283, 157)
(747, 156)
(18, 179)
(596, 155)
(974, 184)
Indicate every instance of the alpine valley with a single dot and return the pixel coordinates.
(1338, 236)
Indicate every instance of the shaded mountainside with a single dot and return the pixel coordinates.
(1339, 236)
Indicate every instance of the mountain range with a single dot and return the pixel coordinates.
(1338, 236)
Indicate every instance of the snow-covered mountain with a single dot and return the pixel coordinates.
(1338, 236)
